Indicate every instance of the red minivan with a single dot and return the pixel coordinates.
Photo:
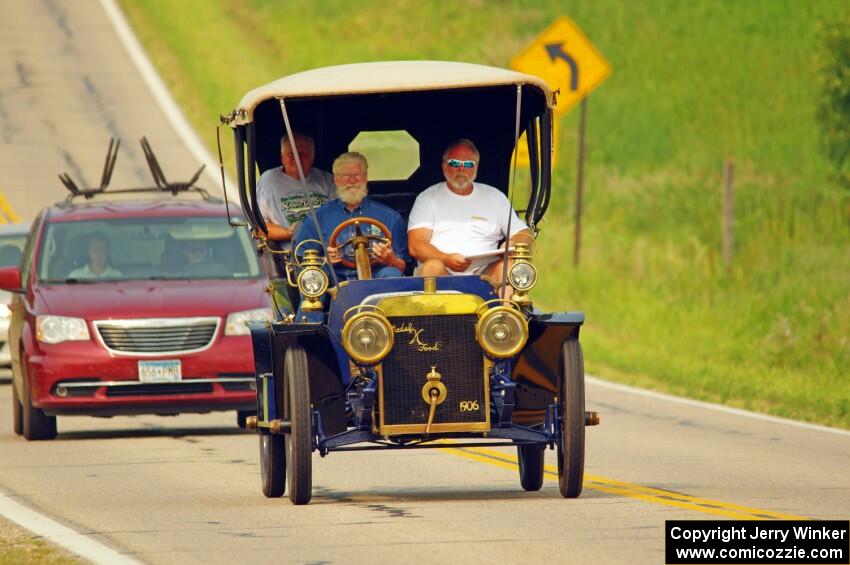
(137, 305)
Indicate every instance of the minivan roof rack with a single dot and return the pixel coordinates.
(162, 184)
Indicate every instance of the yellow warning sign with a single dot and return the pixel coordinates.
(566, 59)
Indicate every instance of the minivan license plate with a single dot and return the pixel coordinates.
(160, 371)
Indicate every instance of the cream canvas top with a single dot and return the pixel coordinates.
(384, 76)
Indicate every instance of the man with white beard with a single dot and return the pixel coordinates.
(350, 177)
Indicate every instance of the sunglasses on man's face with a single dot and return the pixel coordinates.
(457, 164)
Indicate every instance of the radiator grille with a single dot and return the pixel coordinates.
(459, 360)
(153, 337)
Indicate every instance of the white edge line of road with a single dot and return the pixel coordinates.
(63, 536)
(709, 406)
(163, 97)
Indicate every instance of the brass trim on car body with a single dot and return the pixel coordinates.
(430, 304)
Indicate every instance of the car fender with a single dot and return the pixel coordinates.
(537, 369)
(326, 385)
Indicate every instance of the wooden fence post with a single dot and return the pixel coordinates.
(728, 213)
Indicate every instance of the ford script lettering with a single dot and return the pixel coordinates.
(415, 339)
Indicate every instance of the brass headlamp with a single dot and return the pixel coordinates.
(312, 281)
(502, 330)
(368, 335)
(522, 275)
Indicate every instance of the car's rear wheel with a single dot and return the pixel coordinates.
(272, 464)
(17, 413)
(36, 425)
(571, 446)
(299, 441)
(531, 459)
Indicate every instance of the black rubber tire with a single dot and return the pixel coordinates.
(242, 417)
(571, 446)
(17, 413)
(299, 442)
(36, 425)
(531, 459)
(272, 465)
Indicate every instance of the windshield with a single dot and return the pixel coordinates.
(10, 249)
(145, 248)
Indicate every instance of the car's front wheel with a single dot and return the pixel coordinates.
(36, 425)
(17, 413)
(299, 441)
(571, 446)
(531, 459)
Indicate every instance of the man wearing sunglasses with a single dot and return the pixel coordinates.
(283, 199)
(456, 225)
(350, 175)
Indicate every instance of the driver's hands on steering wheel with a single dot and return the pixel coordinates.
(333, 255)
(383, 253)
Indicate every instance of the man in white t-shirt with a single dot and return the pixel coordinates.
(282, 197)
(455, 226)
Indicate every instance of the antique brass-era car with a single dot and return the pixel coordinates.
(403, 362)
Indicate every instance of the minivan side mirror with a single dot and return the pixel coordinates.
(10, 279)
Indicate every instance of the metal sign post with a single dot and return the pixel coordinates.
(579, 181)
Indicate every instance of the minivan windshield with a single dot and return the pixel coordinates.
(151, 248)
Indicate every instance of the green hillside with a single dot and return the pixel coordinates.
(694, 83)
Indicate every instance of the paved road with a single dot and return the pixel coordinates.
(67, 86)
(186, 489)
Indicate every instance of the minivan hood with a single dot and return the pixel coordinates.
(152, 299)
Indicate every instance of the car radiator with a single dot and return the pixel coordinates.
(447, 344)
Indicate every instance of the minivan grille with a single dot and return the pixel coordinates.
(156, 336)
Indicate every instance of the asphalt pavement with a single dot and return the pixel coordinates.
(186, 489)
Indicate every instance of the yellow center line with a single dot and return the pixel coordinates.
(631, 490)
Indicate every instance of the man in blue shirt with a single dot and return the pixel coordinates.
(350, 177)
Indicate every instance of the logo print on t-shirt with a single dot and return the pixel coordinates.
(295, 206)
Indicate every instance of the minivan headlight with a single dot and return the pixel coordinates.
(312, 282)
(56, 329)
(367, 337)
(502, 332)
(522, 276)
(237, 322)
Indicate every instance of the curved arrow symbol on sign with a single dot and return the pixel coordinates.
(556, 51)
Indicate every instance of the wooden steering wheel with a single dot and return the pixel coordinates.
(361, 244)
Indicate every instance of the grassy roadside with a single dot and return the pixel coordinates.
(19, 547)
(693, 84)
